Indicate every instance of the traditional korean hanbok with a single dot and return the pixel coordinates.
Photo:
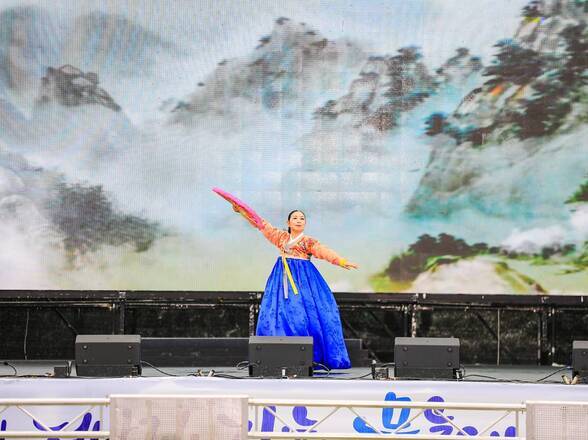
(297, 300)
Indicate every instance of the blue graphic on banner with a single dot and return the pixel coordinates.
(268, 420)
(511, 431)
(300, 415)
(391, 420)
(84, 426)
(443, 427)
(387, 416)
(441, 421)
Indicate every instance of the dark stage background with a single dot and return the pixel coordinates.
(492, 329)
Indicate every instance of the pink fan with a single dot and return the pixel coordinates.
(241, 208)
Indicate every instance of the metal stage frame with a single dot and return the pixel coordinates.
(257, 406)
(118, 304)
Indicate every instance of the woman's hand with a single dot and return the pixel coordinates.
(349, 265)
(240, 211)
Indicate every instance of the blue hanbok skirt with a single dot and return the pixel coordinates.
(313, 312)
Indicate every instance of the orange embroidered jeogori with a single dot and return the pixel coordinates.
(302, 248)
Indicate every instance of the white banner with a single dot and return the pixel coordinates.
(298, 417)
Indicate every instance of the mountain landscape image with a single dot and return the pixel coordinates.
(441, 147)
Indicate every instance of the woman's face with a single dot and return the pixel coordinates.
(297, 222)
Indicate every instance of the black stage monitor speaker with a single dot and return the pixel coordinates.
(426, 358)
(580, 358)
(108, 355)
(280, 356)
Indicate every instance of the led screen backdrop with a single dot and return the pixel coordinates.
(439, 144)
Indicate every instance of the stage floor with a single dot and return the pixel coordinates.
(473, 373)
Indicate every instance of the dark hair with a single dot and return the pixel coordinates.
(292, 212)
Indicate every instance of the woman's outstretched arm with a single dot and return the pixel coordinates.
(319, 250)
(275, 236)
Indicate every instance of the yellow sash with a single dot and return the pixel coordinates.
(289, 275)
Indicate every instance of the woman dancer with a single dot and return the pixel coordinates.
(297, 300)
